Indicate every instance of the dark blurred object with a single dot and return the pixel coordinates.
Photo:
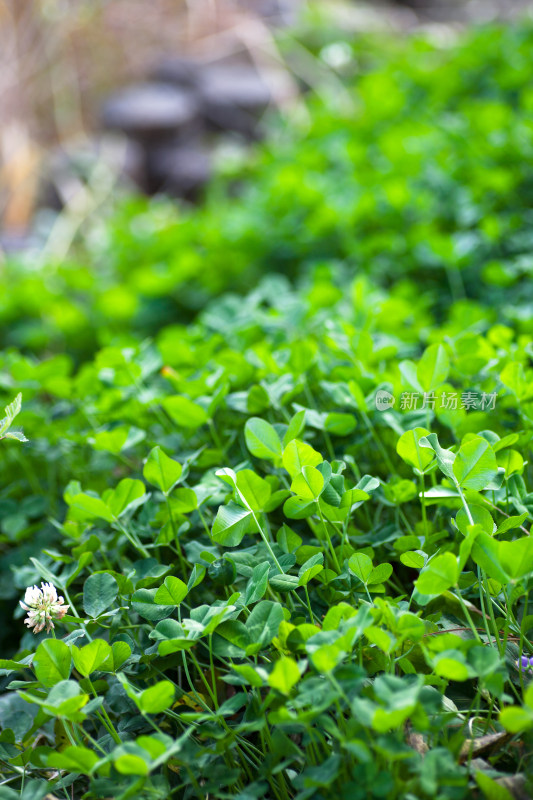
(151, 111)
(178, 71)
(234, 98)
(412, 3)
(276, 12)
(171, 118)
(231, 97)
(181, 170)
(447, 10)
(165, 121)
(462, 12)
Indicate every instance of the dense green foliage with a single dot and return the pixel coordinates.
(279, 587)
(419, 169)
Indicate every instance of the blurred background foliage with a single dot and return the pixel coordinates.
(410, 159)
(59, 60)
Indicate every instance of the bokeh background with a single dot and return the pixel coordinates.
(61, 61)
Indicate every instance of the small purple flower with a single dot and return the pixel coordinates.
(524, 664)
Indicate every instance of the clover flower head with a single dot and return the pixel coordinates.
(43, 606)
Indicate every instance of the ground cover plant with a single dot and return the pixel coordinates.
(280, 548)
(414, 165)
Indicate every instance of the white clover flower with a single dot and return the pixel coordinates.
(43, 605)
(32, 596)
(49, 593)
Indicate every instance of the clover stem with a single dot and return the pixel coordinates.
(199, 700)
(423, 503)
(104, 717)
(492, 617)
(506, 623)
(212, 665)
(93, 741)
(378, 442)
(216, 438)
(465, 504)
(133, 540)
(70, 734)
(75, 613)
(311, 616)
(204, 523)
(110, 731)
(151, 722)
(176, 537)
(330, 545)
(482, 604)
(312, 402)
(408, 525)
(203, 678)
(468, 617)
(265, 540)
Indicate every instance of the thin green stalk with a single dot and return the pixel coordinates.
(281, 779)
(378, 442)
(153, 724)
(176, 537)
(507, 617)
(202, 677)
(480, 575)
(93, 741)
(216, 438)
(468, 617)
(465, 504)
(204, 524)
(492, 617)
(330, 545)
(197, 697)
(423, 504)
(75, 613)
(212, 666)
(406, 521)
(312, 402)
(133, 540)
(70, 734)
(105, 718)
(264, 537)
(311, 615)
